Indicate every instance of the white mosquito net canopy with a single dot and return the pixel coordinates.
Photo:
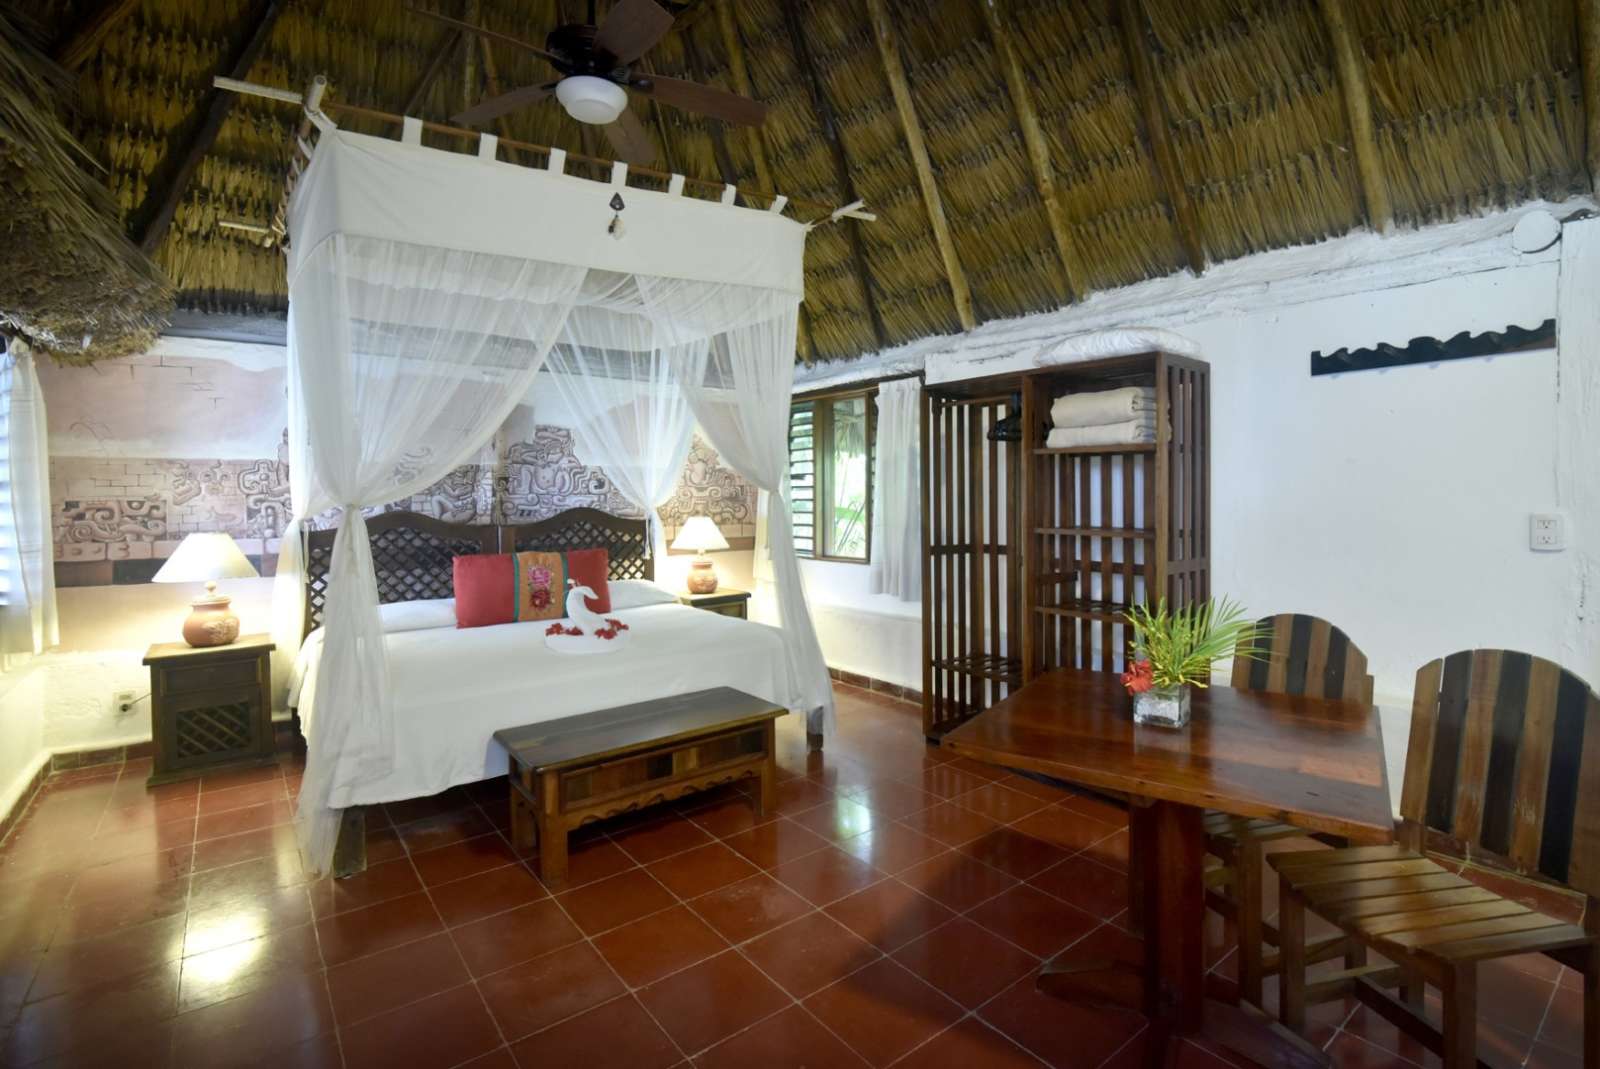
(429, 293)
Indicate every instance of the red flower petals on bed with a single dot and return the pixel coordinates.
(557, 629)
(616, 625)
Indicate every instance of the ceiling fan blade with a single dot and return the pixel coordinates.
(632, 28)
(484, 32)
(630, 140)
(692, 96)
(494, 107)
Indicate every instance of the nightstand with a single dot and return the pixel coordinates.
(210, 707)
(725, 601)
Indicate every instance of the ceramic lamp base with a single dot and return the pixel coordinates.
(702, 577)
(211, 621)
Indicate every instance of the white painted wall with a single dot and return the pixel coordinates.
(22, 749)
(872, 634)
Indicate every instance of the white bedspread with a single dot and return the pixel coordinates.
(454, 688)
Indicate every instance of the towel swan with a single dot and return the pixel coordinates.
(578, 609)
(589, 622)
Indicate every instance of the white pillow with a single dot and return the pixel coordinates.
(637, 593)
(417, 615)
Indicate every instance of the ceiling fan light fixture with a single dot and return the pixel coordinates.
(591, 100)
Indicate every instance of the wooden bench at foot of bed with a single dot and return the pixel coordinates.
(570, 772)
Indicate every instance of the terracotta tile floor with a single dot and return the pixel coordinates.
(892, 913)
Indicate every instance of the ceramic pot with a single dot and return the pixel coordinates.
(702, 577)
(211, 621)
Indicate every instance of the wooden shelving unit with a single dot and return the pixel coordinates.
(1116, 525)
(1031, 555)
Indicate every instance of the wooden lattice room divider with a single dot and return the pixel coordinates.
(971, 563)
(1033, 554)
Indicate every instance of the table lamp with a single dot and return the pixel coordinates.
(700, 534)
(207, 558)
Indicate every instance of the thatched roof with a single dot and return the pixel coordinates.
(73, 286)
(1132, 138)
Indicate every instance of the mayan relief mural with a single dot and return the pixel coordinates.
(117, 519)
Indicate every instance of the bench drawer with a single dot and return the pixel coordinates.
(638, 774)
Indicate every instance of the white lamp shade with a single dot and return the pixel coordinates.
(699, 534)
(592, 100)
(204, 557)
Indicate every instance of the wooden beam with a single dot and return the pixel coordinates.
(894, 70)
(1589, 61)
(85, 41)
(1168, 173)
(740, 75)
(1357, 94)
(823, 109)
(469, 59)
(656, 114)
(446, 47)
(491, 78)
(159, 207)
(730, 175)
(1044, 172)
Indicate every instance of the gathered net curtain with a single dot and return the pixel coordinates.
(619, 377)
(403, 362)
(28, 622)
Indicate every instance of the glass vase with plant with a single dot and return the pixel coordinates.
(1174, 649)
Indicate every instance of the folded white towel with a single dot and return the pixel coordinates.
(1107, 406)
(1128, 432)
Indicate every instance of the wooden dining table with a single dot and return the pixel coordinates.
(1312, 762)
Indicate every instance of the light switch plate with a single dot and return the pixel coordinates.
(1547, 532)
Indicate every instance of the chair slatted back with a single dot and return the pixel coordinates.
(1306, 655)
(1505, 756)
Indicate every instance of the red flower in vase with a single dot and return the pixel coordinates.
(1139, 678)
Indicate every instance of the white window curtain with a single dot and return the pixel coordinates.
(28, 613)
(404, 366)
(896, 566)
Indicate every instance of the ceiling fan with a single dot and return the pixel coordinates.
(596, 64)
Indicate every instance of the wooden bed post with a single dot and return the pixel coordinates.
(350, 852)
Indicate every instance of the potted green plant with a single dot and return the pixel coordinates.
(1173, 651)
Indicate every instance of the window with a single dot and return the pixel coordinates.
(830, 476)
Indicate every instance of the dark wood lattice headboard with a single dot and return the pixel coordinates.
(625, 540)
(412, 553)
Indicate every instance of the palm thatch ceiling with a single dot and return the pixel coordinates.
(1019, 154)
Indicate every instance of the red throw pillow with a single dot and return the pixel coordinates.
(488, 585)
(591, 568)
(484, 590)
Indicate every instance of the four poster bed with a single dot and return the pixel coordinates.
(430, 293)
(453, 688)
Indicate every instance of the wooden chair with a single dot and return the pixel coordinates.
(1299, 655)
(1504, 759)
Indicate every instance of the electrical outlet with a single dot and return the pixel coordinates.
(123, 701)
(1547, 532)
